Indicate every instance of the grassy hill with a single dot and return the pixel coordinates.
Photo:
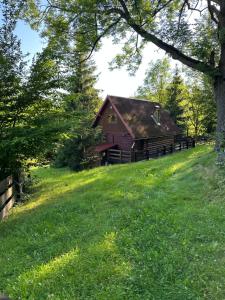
(149, 230)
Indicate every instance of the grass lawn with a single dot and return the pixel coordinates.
(148, 230)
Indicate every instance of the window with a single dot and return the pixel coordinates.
(112, 119)
(156, 116)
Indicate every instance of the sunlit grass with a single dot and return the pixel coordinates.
(149, 230)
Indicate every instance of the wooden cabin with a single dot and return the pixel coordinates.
(134, 129)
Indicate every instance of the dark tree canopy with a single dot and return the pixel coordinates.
(174, 99)
(80, 104)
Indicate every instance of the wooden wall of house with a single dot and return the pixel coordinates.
(115, 133)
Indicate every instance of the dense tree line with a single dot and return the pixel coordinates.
(30, 118)
(46, 108)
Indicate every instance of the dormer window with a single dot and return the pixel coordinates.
(112, 119)
(156, 116)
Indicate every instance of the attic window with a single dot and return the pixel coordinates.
(156, 116)
(112, 119)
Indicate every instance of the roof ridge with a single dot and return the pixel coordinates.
(137, 99)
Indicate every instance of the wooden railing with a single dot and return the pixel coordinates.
(115, 155)
(122, 156)
(7, 197)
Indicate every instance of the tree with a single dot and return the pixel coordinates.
(190, 31)
(80, 104)
(209, 121)
(11, 69)
(174, 98)
(194, 111)
(188, 98)
(156, 80)
(161, 86)
(11, 73)
(199, 109)
(29, 115)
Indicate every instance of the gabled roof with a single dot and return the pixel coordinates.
(137, 116)
(103, 147)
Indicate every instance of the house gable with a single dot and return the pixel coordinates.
(110, 121)
(114, 129)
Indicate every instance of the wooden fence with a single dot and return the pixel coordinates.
(115, 156)
(121, 156)
(7, 197)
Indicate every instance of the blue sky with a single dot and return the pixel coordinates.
(117, 82)
(30, 39)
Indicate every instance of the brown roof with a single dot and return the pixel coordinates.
(137, 116)
(103, 147)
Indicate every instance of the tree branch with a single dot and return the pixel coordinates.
(217, 1)
(174, 52)
(193, 8)
(214, 12)
(156, 11)
(101, 36)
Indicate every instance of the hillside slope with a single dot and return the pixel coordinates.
(149, 230)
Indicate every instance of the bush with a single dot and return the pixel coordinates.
(75, 152)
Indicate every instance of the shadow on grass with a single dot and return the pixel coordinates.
(111, 231)
(60, 187)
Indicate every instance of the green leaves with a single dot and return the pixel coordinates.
(79, 105)
(30, 115)
(188, 98)
(157, 78)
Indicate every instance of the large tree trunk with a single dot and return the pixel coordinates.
(219, 90)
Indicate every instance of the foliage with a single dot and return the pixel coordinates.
(199, 105)
(29, 115)
(188, 96)
(75, 151)
(175, 95)
(80, 104)
(157, 78)
(144, 237)
(163, 23)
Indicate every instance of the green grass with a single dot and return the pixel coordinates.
(149, 230)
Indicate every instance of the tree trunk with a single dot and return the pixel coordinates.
(19, 184)
(219, 90)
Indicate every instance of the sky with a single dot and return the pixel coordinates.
(117, 82)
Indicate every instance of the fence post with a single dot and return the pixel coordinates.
(180, 147)
(157, 152)
(7, 196)
(164, 150)
(131, 155)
